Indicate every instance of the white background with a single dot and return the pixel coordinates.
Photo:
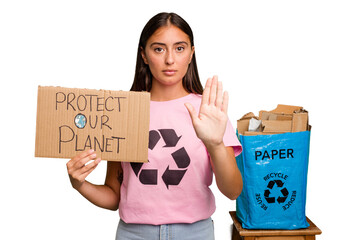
(303, 53)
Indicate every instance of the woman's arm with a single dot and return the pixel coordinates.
(227, 175)
(210, 125)
(104, 196)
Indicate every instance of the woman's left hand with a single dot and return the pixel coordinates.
(210, 123)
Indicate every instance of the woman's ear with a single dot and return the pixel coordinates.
(143, 55)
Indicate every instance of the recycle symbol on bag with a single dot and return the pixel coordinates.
(180, 156)
(270, 187)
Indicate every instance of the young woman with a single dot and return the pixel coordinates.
(190, 139)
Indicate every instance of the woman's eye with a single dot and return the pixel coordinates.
(158, 50)
(180, 49)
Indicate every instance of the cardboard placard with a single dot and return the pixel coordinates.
(113, 123)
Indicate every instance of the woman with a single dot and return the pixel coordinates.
(190, 138)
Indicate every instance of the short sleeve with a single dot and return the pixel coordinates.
(230, 139)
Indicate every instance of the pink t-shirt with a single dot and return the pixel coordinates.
(173, 187)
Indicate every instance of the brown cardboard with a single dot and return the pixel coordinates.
(251, 133)
(243, 123)
(284, 118)
(276, 126)
(300, 122)
(116, 127)
(288, 119)
(286, 109)
(281, 109)
(275, 116)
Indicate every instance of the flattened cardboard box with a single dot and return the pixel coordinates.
(113, 123)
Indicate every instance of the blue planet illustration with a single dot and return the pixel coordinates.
(80, 121)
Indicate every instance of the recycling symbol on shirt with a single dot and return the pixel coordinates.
(180, 156)
(270, 187)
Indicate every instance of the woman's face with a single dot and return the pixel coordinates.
(168, 53)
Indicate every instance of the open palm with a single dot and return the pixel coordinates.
(210, 123)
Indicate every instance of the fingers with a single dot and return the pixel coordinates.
(206, 92)
(81, 155)
(219, 96)
(84, 161)
(192, 112)
(80, 160)
(87, 169)
(213, 91)
(225, 102)
(80, 166)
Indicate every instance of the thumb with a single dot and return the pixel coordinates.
(192, 112)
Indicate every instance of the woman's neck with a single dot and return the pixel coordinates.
(166, 93)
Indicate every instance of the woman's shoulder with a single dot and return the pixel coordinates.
(195, 96)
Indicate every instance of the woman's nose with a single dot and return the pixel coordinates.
(169, 59)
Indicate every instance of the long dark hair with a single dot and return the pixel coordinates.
(143, 76)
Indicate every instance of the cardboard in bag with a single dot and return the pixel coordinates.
(243, 123)
(113, 123)
(284, 118)
(276, 126)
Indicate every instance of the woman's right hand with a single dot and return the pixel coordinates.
(79, 167)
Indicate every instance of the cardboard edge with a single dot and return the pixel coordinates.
(37, 122)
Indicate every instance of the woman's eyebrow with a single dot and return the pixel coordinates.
(157, 43)
(181, 42)
(163, 44)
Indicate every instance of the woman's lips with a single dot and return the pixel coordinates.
(169, 72)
